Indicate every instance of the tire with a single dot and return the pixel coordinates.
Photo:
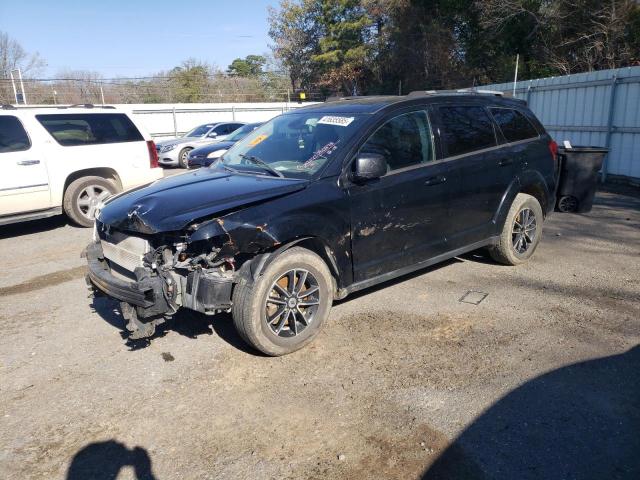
(514, 248)
(79, 204)
(182, 157)
(250, 307)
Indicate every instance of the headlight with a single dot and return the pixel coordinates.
(166, 148)
(216, 154)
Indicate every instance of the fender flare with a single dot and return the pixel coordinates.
(254, 268)
(522, 182)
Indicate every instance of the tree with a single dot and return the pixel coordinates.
(250, 66)
(345, 46)
(189, 80)
(563, 36)
(296, 34)
(13, 56)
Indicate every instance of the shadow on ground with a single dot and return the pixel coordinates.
(577, 422)
(105, 460)
(187, 323)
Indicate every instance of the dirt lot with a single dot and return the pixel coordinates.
(540, 380)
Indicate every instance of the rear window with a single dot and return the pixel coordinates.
(13, 137)
(70, 129)
(465, 129)
(514, 125)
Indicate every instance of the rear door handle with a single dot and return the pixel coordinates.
(435, 180)
(505, 161)
(28, 162)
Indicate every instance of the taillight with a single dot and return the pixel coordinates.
(153, 154)
(553, 148)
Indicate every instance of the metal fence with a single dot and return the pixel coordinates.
(595, 108)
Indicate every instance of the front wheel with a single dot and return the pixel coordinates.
(287, 306)
(183, 157)
(521, 232)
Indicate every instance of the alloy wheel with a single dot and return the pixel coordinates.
(292, 303)
(524, 230)
(90, 198)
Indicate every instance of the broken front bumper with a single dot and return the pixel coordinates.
(146, 293)
(204, 291)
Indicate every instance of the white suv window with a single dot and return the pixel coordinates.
(71, 129)
(13, 137)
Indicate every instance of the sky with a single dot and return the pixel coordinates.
(136, 37)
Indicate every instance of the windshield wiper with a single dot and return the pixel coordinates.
(263, 164)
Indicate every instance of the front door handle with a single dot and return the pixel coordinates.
(28, 162)
(505, 161)
(435, 180)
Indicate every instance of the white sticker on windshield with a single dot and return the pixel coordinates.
(340, 121)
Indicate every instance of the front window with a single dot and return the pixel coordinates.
(200, 131)
(404, 141)
(13, 137)
(293, 145)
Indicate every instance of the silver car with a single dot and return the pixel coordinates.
(174, 152)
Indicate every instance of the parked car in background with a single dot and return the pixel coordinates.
(205, 156)
(69, 159)
(174, 152)
(325, 201)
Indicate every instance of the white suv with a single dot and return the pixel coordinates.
(69, 159)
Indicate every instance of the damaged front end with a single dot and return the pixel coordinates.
(154, 275)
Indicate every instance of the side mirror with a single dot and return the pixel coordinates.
(369, 166)
(212, 135)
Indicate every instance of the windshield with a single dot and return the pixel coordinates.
(200, 131)
(295, 145)
(242, 132)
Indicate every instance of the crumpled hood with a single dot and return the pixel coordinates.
(172, 203)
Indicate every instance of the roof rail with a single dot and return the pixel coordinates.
(471, 91)
(78, 105)
(89, 105)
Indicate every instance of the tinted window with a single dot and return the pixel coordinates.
(404, 141)
(514, 125)
(199, 131)
(465, 129)
(222, 129)
(71, 129)
(13, 137)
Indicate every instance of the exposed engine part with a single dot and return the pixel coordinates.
(138, 328)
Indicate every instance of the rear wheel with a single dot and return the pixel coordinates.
(83, 195)
(287, 306)
(182, 158)
(521, 232)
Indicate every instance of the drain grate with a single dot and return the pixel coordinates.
(473, 297)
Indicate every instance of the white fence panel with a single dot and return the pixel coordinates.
(168, 120)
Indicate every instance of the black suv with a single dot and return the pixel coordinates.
(324, 201)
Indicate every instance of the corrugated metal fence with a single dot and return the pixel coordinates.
(595, 108)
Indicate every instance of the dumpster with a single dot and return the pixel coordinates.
(579, 168)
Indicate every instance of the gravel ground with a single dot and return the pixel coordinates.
(540, 380)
